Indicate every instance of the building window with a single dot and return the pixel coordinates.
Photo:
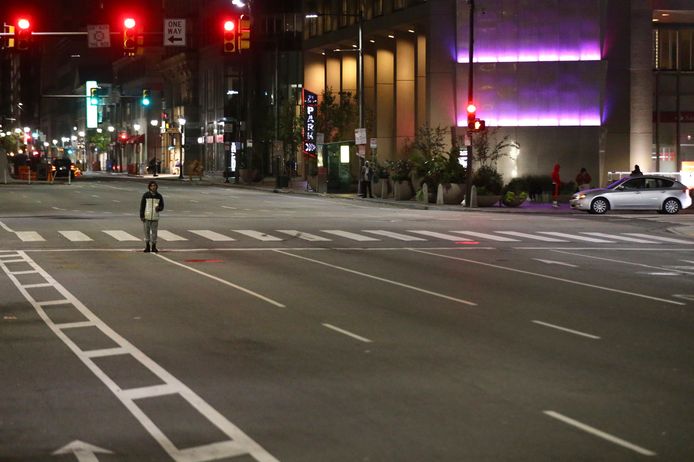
(673, 49)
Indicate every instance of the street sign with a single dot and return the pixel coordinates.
(373, 143)
(98, 36)
(174, 32)
(359, 136)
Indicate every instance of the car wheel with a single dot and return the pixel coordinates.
(599, 206)
(671, 206)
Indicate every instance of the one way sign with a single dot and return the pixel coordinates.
(174, 32)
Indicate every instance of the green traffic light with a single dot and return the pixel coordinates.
(145, 101)
(94, 101)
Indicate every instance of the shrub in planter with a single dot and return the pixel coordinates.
(515, 192)
(487, 181)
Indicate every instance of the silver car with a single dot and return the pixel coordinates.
(647, 192)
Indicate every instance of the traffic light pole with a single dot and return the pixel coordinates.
(470, 171)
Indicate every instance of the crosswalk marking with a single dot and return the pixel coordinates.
(391, 234)
(211, 235)
(448, 237)
(491, 237)
(30, 236)
(121, 235)
(75, 236)
(348, 235)
(575, 237)
(169, 236)
(257, 235)
(623, 238)
(302, 235)
(531, 236)
(658, 238)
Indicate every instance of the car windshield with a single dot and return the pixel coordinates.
(614, 184)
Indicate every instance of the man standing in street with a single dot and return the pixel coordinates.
(366, 177)
(151, 204)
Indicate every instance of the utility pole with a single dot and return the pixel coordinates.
(470, 100)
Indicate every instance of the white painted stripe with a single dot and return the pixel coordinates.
(228, 207)
(169, 236)
(554, 262)
(23, 272)
(623, 238)
(74, 325)
(211, 235)
(599, 433)
(75, 236)
(53, 302)
(491, 237)
(348, 235)
(195, 454)
(554, 326)
(391, 234)
(448, 237)
(350, 334)
(554, 278)
(29, 236)
(12, 261)
(5, 227)
(257, 235)
(121, 235)
(149, 391)
(116, 351)
(302, 235)
(530, 236)
(663, 239)
(576, 237)
(36, 286)
(223, 281)
(377, 278)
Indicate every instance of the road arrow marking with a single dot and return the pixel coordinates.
(83, 451)
(553, 262)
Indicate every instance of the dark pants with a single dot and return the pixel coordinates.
(366, 189)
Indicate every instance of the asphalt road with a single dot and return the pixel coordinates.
(300, 328)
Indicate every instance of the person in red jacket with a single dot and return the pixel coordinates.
(556, 181)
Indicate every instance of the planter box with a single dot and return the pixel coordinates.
(402, 191)
(488, 200)
(453, 193)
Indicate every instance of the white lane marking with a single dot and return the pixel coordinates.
(5, 227)
(623, 238)
(115, 200)
(531, 236)
(599, 433)
(576, 237)
(658, 238)
(391, 234)
(84, 452)
(612, 260)
(94, 195)
(121, 235)
(348, 235)
(239, 443)
(257, 235)
(227, 207)
(302, 235)
(659, 273)
(57, 208)
(553, 262)
(169, 236)
(448, 237)
(29, 236)
(554, 326)
(211, 235)
(491, 237)
(554, 278)
(75, 236)
(194, 201)
(223, 281)
(377, 278)
(350, 334)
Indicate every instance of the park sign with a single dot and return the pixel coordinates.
(310, 100)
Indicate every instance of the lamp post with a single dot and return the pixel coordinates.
(182, 125)
(468, 182)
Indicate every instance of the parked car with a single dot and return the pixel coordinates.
(61, 166)
(648, 192)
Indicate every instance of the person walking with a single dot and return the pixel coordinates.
(151, 204)
(367, 175)
(583, 180)
(556, 182)
(637, 171)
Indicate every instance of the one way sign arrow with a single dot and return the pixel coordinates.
(173, 39)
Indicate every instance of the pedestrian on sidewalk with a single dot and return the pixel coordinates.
(637, 171)
(367, 175)
(556, 182)
(151, 204)
(583, 180)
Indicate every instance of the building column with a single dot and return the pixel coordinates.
(385, 102)
(404, 92)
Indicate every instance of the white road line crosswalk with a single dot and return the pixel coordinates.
(447, 237)
(575, 237)
(392, 235)
(121, 235)
(348, 235)
(257, 235)
(658, 238)
(75, 236)
(211, 235)
(303, 235)
(29, 236)
(491, 237)
(531, 236)
(169, 236)
(623, 238)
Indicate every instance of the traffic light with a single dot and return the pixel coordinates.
(129, 37)
(479, 125)
(145, 98)
(230, 36)
(245, 33)
(93, 97)
(9, 36)
(22, 34)
(471, 115)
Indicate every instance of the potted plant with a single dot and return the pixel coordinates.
(488, 183)
(515, 192)
(400, 175)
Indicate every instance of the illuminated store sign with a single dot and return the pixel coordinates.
(310, 108)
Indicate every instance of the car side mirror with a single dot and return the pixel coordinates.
(620, 187)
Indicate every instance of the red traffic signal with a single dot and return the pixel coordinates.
(22, 34)
(129, 36)
(230, 36)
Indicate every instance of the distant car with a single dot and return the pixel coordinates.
(647, 192)
(61, 166)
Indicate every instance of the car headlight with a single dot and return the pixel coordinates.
(581, 196)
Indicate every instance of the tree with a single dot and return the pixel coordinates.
(337, 120)
(488, 150)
